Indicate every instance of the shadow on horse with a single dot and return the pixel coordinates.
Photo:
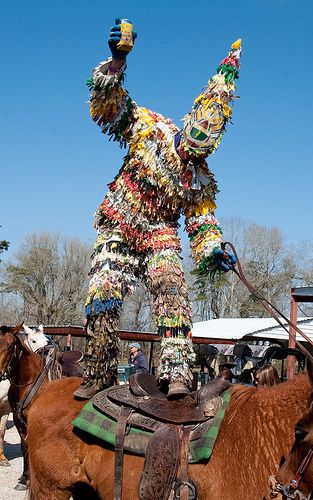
(256, 433)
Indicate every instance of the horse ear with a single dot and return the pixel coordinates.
(16, 329)
(28, 330)
(309, 368)
(40, 328)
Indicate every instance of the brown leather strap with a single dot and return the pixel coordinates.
(184, 490)
(21, 405)
(270, 308)
(161, 464)
(119, 447)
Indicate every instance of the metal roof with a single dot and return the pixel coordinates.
(248, 328)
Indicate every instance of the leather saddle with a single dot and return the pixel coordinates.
(142, 404)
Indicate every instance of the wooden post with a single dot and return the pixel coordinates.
(293, 318)
(150, 356)
(69, 342)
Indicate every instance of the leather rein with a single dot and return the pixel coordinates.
(269, 307)
(290, 491)
(35, 384)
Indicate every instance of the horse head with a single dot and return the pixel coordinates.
(295, 476)
(36, 339)
(8, 339)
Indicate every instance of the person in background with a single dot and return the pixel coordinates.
(138, 358)
(266, 375)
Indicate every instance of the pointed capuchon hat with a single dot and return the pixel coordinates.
(206, 122)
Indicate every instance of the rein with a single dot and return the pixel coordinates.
(292, 491)
(268, 306)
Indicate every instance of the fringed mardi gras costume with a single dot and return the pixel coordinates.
(137, 221)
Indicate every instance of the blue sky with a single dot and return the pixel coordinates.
(55, 163)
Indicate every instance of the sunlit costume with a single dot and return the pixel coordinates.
(137, 222)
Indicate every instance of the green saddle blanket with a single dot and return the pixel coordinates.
(103, 427)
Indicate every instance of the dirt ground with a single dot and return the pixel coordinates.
(10, 475)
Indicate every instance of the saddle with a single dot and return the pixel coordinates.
(71, 363)
(174, 423)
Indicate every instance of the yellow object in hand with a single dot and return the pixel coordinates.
(126, 42)
(236, 44)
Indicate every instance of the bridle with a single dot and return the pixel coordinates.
(17, 356)
(291, 490)
(34, 384)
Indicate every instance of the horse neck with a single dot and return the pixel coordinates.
(291, 397)
(284, 402)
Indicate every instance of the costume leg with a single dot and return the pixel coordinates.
(112, 277)
(172, 311)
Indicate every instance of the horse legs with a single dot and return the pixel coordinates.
(3, 425)
(37, 493)
(22, 430)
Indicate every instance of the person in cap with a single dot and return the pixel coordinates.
(138, 358)
(164, 175)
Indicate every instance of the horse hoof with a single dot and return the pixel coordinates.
(5, 463)
(20, 487)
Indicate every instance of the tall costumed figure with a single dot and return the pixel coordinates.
(164, 175)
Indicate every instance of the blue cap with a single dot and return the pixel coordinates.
(134, 344)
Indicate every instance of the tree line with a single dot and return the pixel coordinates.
(46, 280)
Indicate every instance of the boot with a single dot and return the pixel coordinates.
(177, 390)
(86, 391)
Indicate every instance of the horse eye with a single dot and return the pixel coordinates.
(300, 433)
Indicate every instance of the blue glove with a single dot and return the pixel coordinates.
(224, 260)
(114, 38)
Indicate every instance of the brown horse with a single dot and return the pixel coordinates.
(257, 431)
(26, 371)
(295, 476)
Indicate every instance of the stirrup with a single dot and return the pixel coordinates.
(177, 390)
(86, 391)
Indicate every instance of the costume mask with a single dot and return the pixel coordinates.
(204, 125)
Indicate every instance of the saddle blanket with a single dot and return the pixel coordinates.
(103, 427)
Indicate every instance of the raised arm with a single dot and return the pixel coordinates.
(110, 105)
(205, 234)
(203, 230)
(201, 135)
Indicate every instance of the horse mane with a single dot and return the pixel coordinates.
(4, 329)
(240, 394)
(10, 329)
(267, 396)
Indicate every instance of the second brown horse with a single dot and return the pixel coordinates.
(256, 433)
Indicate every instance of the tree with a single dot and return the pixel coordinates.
(4, 245)
(10, 309)
(136, 313)
(268, 264)
(49, 275)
